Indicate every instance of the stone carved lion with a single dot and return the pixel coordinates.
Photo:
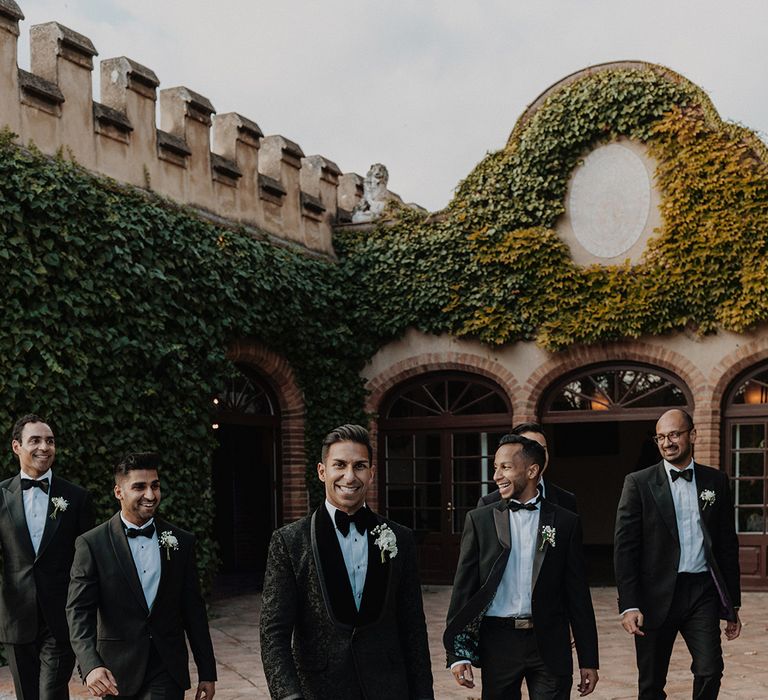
(375, 195)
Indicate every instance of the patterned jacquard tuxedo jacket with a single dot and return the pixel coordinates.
(314, 642)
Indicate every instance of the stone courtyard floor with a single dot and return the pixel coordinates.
(234, 628)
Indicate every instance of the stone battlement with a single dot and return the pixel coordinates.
(220, 163)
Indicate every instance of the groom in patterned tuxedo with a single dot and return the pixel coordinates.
(342, 614)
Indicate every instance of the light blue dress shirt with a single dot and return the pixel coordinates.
(146, 558)
(513, 596)
(354, 549)
(36, 508)
(686, 499)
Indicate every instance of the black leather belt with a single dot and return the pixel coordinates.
(518, 623)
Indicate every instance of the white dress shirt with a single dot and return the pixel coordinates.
(686, 498)
(354, 549)
(513, 596)
(146, 558)
(36, 507)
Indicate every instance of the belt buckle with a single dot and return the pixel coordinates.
(524, 624)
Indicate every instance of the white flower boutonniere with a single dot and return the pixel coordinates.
(385, 541)
(169, 541)
(547, 536)
(708, 497)
(59, 505)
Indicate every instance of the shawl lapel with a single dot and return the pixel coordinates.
(501, 523)
(51, 524)
(662, 494)
(166, 562)
(15, 505)
(124, 558)
(546, 518)
(378, 580)
(331, 571)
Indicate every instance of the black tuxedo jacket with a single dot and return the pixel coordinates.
(560, 594)
(30, 581)
(110, 624)
(554, 494)
(314, 642)
(647, 544)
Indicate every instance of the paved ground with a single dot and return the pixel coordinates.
(234, 628)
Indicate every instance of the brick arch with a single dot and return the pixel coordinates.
(735, 363)
(632, 351)
(280, 376)
(425, 363)
(399, 372)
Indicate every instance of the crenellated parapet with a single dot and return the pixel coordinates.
(220, 163)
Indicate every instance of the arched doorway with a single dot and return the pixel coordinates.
(245, 478)
(437, 436)
(746, 430)
(599, 424)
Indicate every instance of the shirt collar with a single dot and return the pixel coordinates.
(131, 526)
(45, 477)
(669, 467)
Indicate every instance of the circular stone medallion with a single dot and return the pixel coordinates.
(609, 200)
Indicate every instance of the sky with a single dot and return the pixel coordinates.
(427, 87)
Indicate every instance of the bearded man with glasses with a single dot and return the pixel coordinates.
(676, 557)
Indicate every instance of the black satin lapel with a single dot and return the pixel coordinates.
(377, 582)
(334, 581)
(125, 558)
(51, 523)
(15, 505)
(546, 517)
(704, 482)
(662, 494)
(501, 523)
(166, 558)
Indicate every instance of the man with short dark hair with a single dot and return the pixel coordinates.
(341, 613)
(41, 515)
(676, 557)
(134, 594)
(551, 492)
(520, 585)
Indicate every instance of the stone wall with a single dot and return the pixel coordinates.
(219, 163)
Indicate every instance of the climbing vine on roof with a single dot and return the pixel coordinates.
(493, 267)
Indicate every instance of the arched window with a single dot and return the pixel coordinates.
(746, 455)
(437, 437)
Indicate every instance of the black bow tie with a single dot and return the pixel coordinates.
(147, 531)
(686, 474)
(42, 484)
(514, 506)
(360, 518)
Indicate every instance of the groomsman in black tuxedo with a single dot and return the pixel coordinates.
(134, 594)
(520, 589)
(341, 612)
(41, 515)
(551, 492)
(676, 557)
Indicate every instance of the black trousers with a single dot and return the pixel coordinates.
(158, 684)
(41, 670)
(508, 656)
(694, 614)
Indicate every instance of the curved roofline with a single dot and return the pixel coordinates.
(537, 103)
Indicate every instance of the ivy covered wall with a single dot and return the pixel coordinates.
(119, 306)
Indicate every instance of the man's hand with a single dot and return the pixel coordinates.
(733, 629)
(205, 690)
(632, 621)
(589, 680)
(463, 675)
(101, 682)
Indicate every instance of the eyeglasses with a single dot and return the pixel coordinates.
(672, 436)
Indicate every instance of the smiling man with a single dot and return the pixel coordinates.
(41, 515)
(341, 613)
(676, 557)
(520, 589)
(134, 594)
